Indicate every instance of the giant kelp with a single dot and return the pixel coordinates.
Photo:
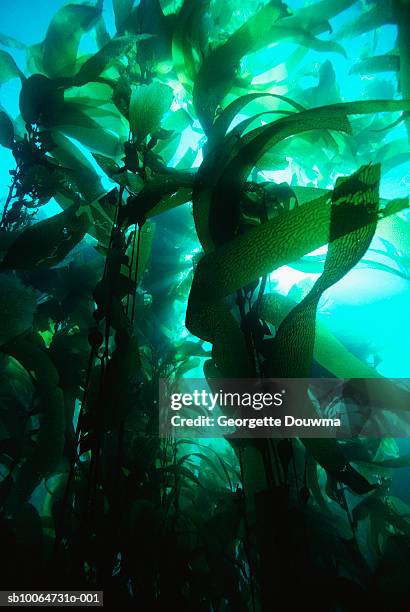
(90, 496)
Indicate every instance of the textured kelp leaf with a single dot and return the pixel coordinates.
(352, 223)
(63, 37)
(329, 351)
(8, 68)
(148, 105)
(50, 438)
(148, 202)
(47, 242)
(313, 265)
(96, 64)
(376, 64)
(6, 131)
(221, 273)
(293, 348)
(264, 249)
(262, 246)
(122, 11)
(217, 73)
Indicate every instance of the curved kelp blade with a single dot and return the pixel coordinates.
(155, 197)
(224, 120)
(223, 214)
(47, 242)
(254, 254)
(223, 206)
(217, 73)
(386, 259)
(328, 350)
(63, 37)
(352, 223)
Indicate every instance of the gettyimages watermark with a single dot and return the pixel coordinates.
(303, 408)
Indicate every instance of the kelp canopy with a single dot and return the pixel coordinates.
(168, 160)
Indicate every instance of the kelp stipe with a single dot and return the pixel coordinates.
(195, 148)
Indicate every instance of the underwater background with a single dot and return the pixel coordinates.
(173, 205)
